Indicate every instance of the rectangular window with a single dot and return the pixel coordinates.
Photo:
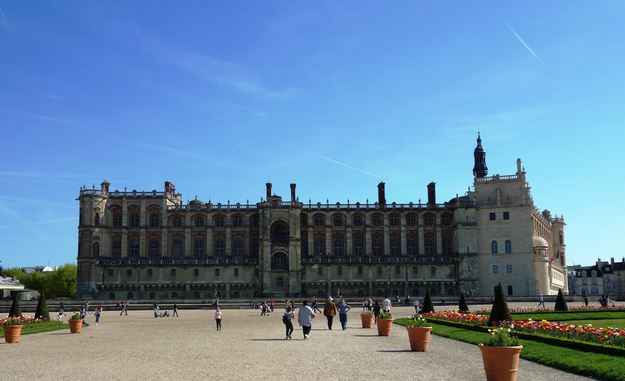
(415, 270)
(217, 272)
(433, 271)
(128, 273)
(492, 216)
(109, 273)
(173, 272)
(508, 268)
(149, 273)
(359, 270)
(196, 272)
(236, 272)
(320, 271)
(397, 270)
(379, 270)
(495, 269)
(506, 215)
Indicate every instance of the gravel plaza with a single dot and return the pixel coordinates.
(249, 347)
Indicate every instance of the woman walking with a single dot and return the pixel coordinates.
(343, 308)
(329, 311)
(376, 310)
(97, 313)
(287, 319)
(218, 317)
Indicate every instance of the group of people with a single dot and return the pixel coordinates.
(165, 313)
(84, 310)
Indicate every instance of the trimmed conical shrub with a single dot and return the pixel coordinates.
(462, 305)
(500, 311)
(42, 308)
(561, 302)
(427, 302)
(16, 311)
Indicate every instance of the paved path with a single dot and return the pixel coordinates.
(249, 347)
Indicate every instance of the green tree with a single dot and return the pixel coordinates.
(462, 305)
(42, 308)
(500, 311)
(14, 272)
(561, 302)
(39, 281)
(16, 311)
(427, 302)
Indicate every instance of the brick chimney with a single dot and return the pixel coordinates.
(381, 195)
(293, 199)
(268, 185)
(432, 194)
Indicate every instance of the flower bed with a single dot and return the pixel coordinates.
(584, 332)
(20, 319)
(528, 310)
(467, 318)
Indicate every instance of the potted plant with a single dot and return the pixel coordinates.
(367, 319)
(75, 323)
(419, 333)
(500, 354)
(385, 323)
(12, 330)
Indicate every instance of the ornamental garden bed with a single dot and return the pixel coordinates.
(31, 326)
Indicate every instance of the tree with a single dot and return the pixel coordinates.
(16, 311)
(427, 302)
(462, 305)
(500, 311)
(14, 272)
(561, 302)
(42, 308)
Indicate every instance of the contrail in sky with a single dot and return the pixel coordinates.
(523, 42)
(6, 23)
(340, 163)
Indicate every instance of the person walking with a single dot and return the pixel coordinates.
(541, 302)
(218, 317)
(61, 312)
(329, 311)
(416, 306)
(343, 308)
(386, 304)
(314, 306)
(124, 310)
(175, 313)
(97, 313)
(305, 317)
(155, 308)
(83, 315)
(376, 310)
(287, 319)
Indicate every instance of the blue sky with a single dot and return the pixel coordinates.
(335, 96)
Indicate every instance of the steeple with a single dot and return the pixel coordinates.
(479, 169)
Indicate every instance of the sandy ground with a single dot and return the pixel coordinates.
(250, 347)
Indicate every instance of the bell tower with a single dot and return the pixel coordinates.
(479, 169)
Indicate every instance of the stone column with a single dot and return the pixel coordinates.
(387, 243)
(421, 241)
(328, 241)
(142, 214)
(311, 241)
(209, 242)
(228, 241)
(124, 243)
(187, 242)
(164, 242)
(348, 243)
(439, 241)
(142, 243)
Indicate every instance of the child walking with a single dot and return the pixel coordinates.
(218, 318)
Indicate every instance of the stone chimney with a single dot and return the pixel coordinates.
(169, 187)
(432, 194)
(104, 187)
(381, 195)
(268, 185)
(293, 199)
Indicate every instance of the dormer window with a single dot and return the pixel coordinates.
(594, 273)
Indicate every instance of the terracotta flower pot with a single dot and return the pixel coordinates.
(501, 363)
(385, 326)
(75, 326)
(367, 320)
(419, 338)
(12, 333)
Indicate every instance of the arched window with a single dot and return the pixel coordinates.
(394, 219)
(235, 295)
(411, 219)
(377, 246)
(199, 222)
(508, 247)
(153, 219)
(561, 238)
(280, 234)
(338, 247)
(96, 219)
(429, 244)
(446, 219)
(237, 221)
(411, 244)
(338, 220)
(279, 261)
(198, 247)
(219, 221)
(133, 217)
(129, 295)
(96, 249)
(219, 247)
(153, 248)
(428, 219)
(280, 282)
(177, 222)
(112, 295)
(152, 295)
(377, 220)
(255, 247)
(319, 220)
(395, 246)
(493, 247)
(176, 248)
(116, 215)
(255, 220)
(174, 295)
(303, 220)
(447, 245)
(133, 250)
(357, 220)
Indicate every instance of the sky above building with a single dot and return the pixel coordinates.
(220, 97)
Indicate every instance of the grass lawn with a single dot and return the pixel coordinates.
(599, 366)
(603, 323)
(45, 326)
